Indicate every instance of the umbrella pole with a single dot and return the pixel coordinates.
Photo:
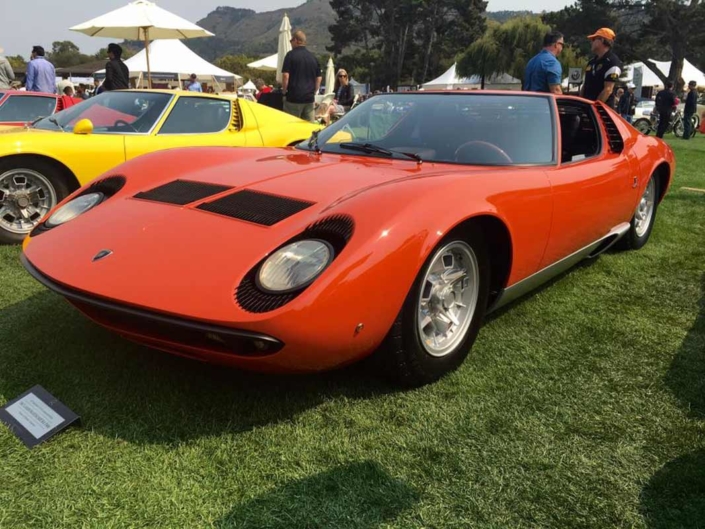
(146, 48)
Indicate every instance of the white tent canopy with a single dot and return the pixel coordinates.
(690, 73)
(450, 81)
(268, 64)
(171, 56)
(249, 85)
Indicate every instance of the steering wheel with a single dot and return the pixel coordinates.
(122, 121)
(481, 152)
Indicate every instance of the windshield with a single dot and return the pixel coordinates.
(474, 129)
(112, 112)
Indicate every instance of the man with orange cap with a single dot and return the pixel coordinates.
(604, 68)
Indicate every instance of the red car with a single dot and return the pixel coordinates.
(20, 107)
(393, 231)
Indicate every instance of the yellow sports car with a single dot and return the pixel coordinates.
(42, 163)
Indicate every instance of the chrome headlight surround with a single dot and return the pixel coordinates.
(75, 208)
(294, 266)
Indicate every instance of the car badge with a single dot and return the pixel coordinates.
(102, 255)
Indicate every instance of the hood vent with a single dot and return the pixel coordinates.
(236, 121)
(614, 138)
(256, 207)
(181, 192)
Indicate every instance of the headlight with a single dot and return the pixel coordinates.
(73, 209)
(294, 266)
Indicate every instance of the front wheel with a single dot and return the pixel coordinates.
(642, 222)
(643, 126)
(442, 313)
(679, 128)
(28, 191)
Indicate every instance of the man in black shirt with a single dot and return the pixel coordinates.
(691, 107)
(665, 103)
(117, 75)
(603, 70)
(301, 79)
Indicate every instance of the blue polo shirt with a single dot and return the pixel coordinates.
(543, 70)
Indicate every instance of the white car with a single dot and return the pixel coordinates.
(644, 109)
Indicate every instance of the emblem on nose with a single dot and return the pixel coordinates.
(102, 255)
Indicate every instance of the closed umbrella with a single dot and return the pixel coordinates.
(141, 20)
(330, 76)
(284, 45)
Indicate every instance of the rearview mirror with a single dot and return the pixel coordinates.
(85, 126)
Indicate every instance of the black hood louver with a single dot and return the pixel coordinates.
(181, 192)
(256, 207)
(336, 230)
(614, 138)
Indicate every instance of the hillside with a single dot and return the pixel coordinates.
(244, 31)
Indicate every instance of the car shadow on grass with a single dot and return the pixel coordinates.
(358, 495)
(675, 495)
(142, 395)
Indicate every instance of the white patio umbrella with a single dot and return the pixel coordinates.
(330, 76)
(284, 45)
(268, 64)
(141, 20)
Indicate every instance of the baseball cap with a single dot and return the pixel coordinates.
(605, 33)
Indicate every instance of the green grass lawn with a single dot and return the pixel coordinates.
(581, 406)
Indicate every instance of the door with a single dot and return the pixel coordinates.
(592, 186)
(193, 121)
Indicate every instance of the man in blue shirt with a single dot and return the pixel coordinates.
(194, 85)
(544, 72)
(41, 76)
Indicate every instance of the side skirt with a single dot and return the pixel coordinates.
(530, 283)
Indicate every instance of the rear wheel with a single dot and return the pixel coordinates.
(643, 126)
(442, 313)
(642, 222)
(29, 189)
(679, 128)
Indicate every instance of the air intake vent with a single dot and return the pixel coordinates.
(614, 138)
(337, 230)
(181, 192)
(256, 207)
(108, 186)
(236, 122)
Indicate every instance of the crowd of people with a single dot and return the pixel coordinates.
(301, 81)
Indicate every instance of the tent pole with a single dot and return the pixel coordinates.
(146, 48)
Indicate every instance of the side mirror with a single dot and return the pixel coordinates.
(84, 126)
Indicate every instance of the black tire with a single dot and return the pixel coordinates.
(632, 240)
(643, 125)
(48, 171)
(401, 357)
(679, 129)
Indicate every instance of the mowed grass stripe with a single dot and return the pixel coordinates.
(581, 406)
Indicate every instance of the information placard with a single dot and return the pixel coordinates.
(36, 415)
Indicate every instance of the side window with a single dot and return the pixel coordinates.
(197, 115)
(580, 136)
(26, 108)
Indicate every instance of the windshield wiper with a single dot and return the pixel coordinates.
(313, 142)
(53, 120)
(372, 148)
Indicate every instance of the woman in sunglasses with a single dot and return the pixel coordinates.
(344, 97)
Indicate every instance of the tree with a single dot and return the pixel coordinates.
(646, 29)
(65, 53)
(388, 41)
(238, 64)
(508, 47)
(17, 62)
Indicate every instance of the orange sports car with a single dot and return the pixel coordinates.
(392, 232)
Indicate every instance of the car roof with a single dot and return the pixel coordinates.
(11, 92)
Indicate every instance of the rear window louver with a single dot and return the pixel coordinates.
(614, 138)
(236, 122)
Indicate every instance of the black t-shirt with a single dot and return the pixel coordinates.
(665, 101)
(606, 68)
(303, 69)
(117, 75)
(691, 102)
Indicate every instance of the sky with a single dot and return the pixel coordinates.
(30, 22)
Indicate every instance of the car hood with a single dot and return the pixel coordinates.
(182, 259)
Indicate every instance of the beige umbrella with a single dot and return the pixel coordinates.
(284, 45)
(141, 20)
(330, 76)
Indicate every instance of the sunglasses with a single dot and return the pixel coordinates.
(342, 75)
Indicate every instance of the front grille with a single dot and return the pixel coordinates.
(256, 207)
(336, 230)
(181, 192)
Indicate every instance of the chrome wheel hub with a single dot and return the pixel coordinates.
(25, 197)
(645, 209)
(448, 298)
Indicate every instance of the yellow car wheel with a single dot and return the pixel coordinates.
(29, 189)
